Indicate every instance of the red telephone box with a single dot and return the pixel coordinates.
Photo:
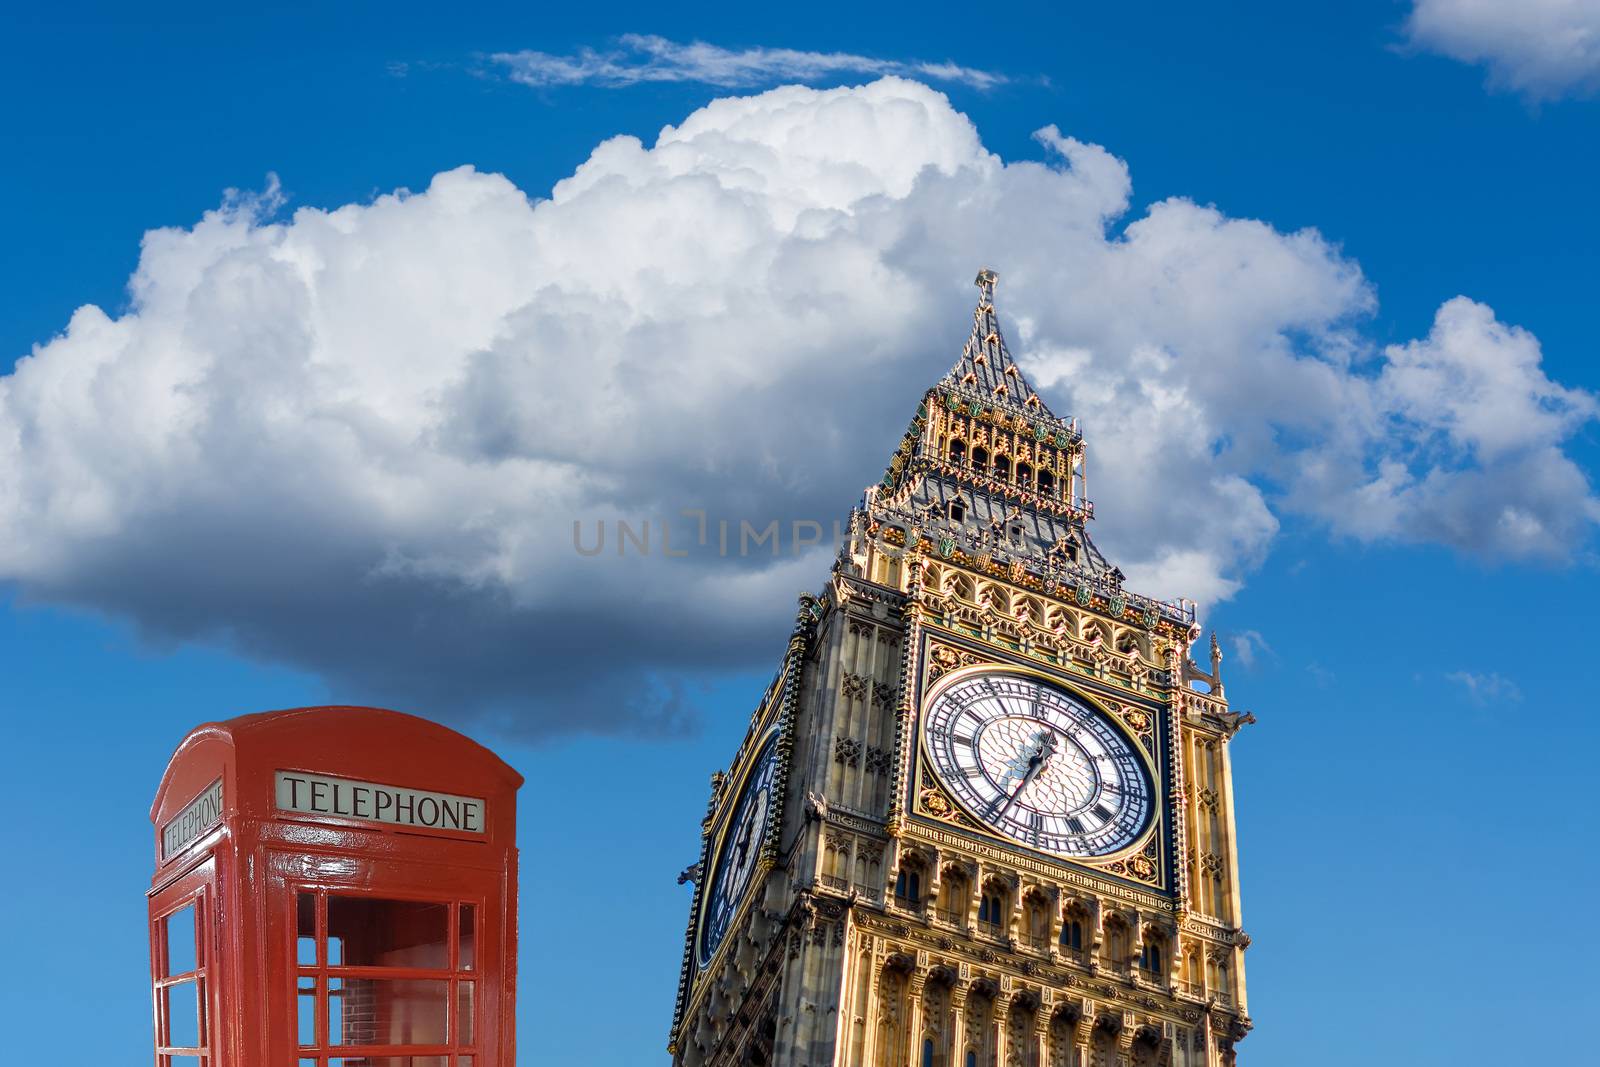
(334, 887)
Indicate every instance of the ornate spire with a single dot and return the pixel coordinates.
(987, 475)
(986, 368)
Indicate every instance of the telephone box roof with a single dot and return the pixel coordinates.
(376, 739)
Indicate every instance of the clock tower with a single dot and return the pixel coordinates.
(983, 815)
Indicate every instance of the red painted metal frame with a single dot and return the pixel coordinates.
(193, 889)
(453, 975)
(248, 869)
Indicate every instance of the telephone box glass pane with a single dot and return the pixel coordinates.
(393, 1011)
(335, 1010)
(183, 1015)
(467, 947)
(390, 1061)
(389, 933)
(305, 942)
(181, 957)
(306, 1011)
(184, 1061)
(463, 1013)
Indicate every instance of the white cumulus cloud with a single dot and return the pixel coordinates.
(356, 440)
(1540, 48)
(1466, 446)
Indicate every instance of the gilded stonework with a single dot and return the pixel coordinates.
(943, 658)
(1087, 915)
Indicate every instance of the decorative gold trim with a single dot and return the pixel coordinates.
(1147, 844)
(1011, 636)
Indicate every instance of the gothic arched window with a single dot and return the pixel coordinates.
(1022, 1023)
(991, 911)
(1119, 942)
(1073, 924)
(980, 458)
(1024, 475)
(1194, 978)
(958, 451)
(1217, 978)
(1152, 957)
(894, 1013)
(953, 898)
(1002, 468)
(1037, 917)
(1047, 483)
(980, 1025)
(908, 885)
(938, 1023)
(1063, 1026)
(1103, 1047)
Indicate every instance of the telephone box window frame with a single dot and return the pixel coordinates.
(163, 982)
(460, 1047)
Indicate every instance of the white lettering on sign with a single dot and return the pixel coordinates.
(315, 794)
(200, 815)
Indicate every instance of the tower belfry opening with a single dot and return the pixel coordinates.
(983, 815)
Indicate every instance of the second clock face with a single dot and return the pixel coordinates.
(736, 855)
(1038, 764)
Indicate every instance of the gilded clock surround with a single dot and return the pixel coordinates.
(884, 927)
(929, 797)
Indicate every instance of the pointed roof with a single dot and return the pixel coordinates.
(979, 512)
(986, 367)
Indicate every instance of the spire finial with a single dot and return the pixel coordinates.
(1216, 665)
(985, 282)
(986, 368)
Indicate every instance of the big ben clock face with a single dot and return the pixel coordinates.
(735, 860)
(1038, 765)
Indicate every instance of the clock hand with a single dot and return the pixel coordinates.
(743, 846)
(1044, 748)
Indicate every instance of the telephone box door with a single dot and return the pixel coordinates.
(398, 966)
(185, 970)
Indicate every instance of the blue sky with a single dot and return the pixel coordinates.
(1416, 664)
